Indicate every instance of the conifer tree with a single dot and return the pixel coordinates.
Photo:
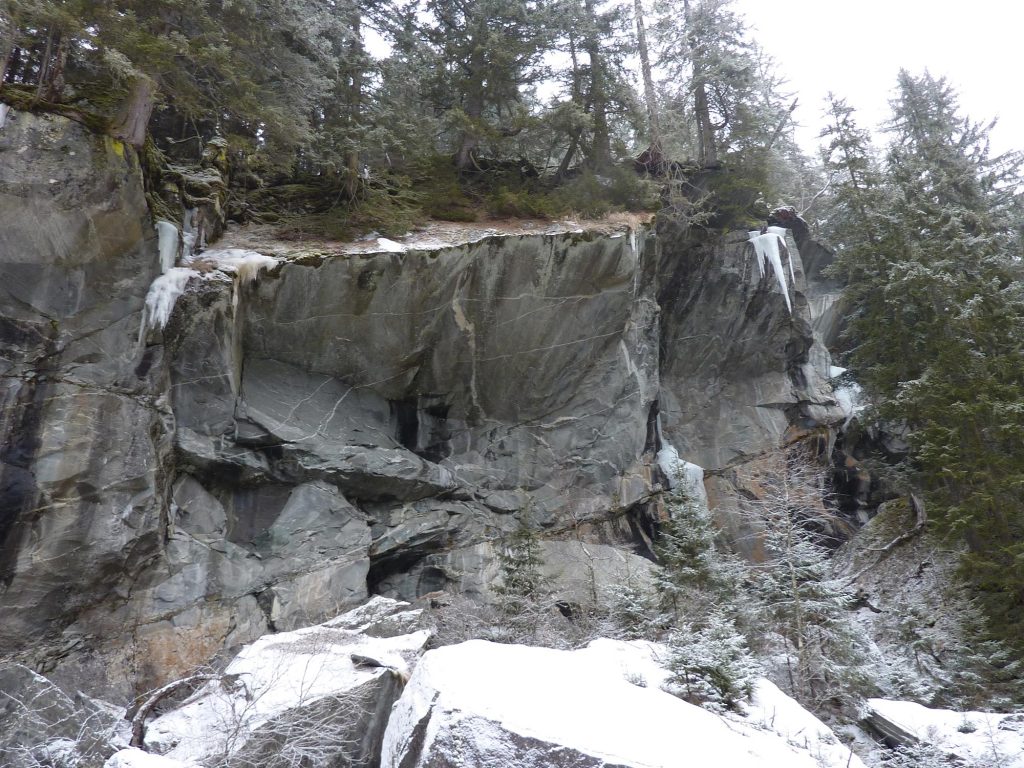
(488, 50)
(711, 662)
(931, 253)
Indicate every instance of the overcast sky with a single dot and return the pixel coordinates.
(856, 48)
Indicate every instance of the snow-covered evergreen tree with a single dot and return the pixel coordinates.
(802, 612)
(711, 662)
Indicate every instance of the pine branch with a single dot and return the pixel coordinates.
(921, 520)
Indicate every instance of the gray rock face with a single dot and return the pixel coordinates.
(84, 432)
(739, 373)
(349, 422)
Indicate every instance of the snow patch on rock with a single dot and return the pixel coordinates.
(683, 474)
(244, 263)
(390, 246)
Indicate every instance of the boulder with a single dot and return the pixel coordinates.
(481, 703)
(320, 692)
(966, 738)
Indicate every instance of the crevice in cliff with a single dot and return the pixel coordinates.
(18, 488)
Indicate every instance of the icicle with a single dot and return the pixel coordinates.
(162, 295)
(834, 371)
(781, 232)
(246, 264)
(754, 235)
(168, 244)
(767, 248)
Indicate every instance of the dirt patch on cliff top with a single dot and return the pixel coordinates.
(266, 238)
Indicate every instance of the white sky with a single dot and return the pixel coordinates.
(855, 48)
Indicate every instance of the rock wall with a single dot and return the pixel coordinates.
(85, 427)
(347, 424)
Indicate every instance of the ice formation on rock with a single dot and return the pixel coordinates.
(682, 474)
(162, 295)
(768, 249)
(849, 398)
(167, 245)
(189, 235)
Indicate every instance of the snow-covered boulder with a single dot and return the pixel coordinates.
(974, 738)
(480, 703)
(318, 691)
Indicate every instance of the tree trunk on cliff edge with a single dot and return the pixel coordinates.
(706, 152)
(601, 150)
(131, 122)
(653, 123)
(353, 177)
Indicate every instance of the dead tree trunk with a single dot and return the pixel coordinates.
(131, 122)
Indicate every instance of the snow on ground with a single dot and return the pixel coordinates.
(770, 708)
(975, 737)
(136, 758)
(278, 674)
(480, 703)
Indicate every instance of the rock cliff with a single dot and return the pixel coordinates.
(348, 423)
